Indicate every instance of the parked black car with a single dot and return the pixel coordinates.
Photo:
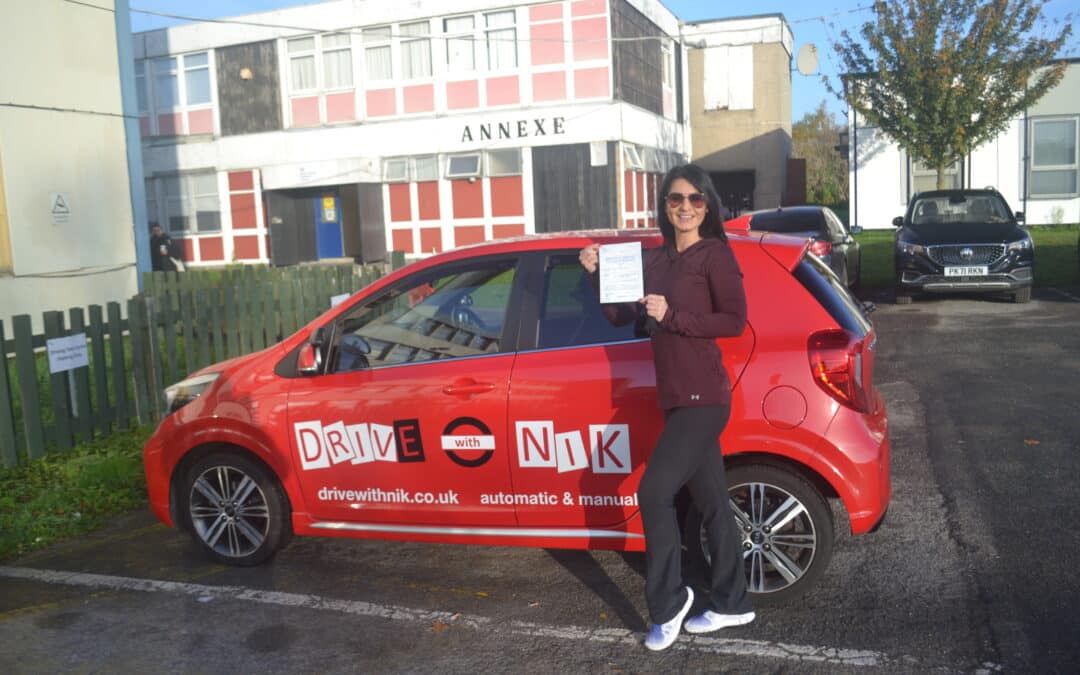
(832, 243)
(962, 240)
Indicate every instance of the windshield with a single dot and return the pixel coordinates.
(941, 209)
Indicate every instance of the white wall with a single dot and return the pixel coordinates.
(63, 55)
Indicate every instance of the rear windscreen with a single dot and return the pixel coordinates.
(833, 296)
(786, 221)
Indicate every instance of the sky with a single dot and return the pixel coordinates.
(819, 23)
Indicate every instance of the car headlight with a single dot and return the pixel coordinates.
(180, 394)
(1024, 244)
(910, 248)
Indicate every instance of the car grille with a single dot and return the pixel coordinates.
(981, 254)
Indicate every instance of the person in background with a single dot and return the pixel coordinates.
(162, 251)
(693, 295)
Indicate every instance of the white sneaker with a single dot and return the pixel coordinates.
(708, 621)
(663, 635)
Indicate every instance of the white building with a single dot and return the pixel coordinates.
(1033, 164)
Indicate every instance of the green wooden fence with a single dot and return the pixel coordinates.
(180, 323)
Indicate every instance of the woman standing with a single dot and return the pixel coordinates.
(693, 294)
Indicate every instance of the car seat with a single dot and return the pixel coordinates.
(928, 212)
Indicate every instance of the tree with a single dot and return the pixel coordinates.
(814, 139)
(942, 77)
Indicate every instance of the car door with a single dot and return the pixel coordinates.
(406, 421)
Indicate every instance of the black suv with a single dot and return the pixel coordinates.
(962, 240)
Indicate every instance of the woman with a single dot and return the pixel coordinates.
(693, 294)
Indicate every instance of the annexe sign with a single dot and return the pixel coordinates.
(495, 131)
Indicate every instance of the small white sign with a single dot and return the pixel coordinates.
(621, 276)
(59, 208)
(336, 300)
(67, 353)
(598, 153)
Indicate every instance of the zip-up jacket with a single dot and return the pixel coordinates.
(703, 287)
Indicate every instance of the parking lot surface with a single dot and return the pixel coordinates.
(971, 572)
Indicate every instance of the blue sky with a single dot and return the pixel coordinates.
(818, 23)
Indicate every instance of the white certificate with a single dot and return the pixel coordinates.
(621, 278)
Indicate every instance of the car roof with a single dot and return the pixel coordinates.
(976, 192)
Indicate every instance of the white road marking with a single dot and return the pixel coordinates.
(700, 644)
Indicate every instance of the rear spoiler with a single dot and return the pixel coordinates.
(785, 249)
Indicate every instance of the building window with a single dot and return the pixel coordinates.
(460, 44)
(923, 178)
(632, 158)
(416, 50)
(504, 162)
(426, 168)
(197, 79)
(140, 89)
(335, 53)
(1053, 158)
(463, 166)
(166, 84)
(190, 203)
(175, 85)
(501, 37)
(377, 53)
(669, 65)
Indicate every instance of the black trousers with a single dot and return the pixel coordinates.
(688, 453)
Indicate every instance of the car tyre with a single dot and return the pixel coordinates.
(1022, 295)
(780, 565)
(236, 509)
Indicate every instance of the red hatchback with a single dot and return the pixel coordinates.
(480, 396)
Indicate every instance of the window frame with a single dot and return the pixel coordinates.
(518, 169)
(449, 173)
(491, 39)
(318, 53)
(377, 38)
(146, 70)
(408, 70)
(1074, 167)
(454, 37)
(158, 196)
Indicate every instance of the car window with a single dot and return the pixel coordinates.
(786, 221)
(431, 315)
(570, 313)
(835, 227)
(960, 208)
(823, 284)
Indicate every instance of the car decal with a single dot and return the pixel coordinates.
(539, 447)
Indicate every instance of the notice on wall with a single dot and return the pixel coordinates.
(59, 208)
(67, 353)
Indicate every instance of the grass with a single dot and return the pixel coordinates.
(67, 494)
(1055, 256)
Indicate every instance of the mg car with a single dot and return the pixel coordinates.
(481, 396)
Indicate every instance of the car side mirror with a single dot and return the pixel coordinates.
(309, 360)
(898, 221)
(1019, 216)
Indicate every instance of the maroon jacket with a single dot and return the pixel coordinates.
(703, 287)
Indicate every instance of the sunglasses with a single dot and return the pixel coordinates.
(675, 199)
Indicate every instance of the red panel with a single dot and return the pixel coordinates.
(402, 240)
(400, 206)
(243, 211)
(430, 239)
(504, 231)
(628, 190)
(591, 83)
(506, 196)
(651, 183)
(241, 180)
(427, 194)
(547, 44)
(549, 86)
(211, 249)
(545, 12)
(468, 198)
(420, 99)
(201, 122)
(586, 7)
(305, 111)
(168, 125)
(590, 39)
(503, 90)
(380, 102)
(639, 203)
(341, 107)
(188, 247)
(246, 247)
(468, 234)
(461, 95)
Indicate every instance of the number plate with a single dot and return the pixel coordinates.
(966, 271)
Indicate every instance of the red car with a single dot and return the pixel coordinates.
(480, 396)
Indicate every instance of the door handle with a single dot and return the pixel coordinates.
(467, 387)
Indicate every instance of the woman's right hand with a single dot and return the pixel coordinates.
(590, 257)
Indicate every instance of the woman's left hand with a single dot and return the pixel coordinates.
(655, 306)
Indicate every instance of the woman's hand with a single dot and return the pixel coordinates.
(590, 257)
(655, 306)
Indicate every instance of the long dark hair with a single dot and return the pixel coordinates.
(712, 226)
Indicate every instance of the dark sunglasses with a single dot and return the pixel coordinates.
(674, 199)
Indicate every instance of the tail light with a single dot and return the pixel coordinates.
(820, 248)
(837, 364)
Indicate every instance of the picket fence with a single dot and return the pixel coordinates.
(179, 323)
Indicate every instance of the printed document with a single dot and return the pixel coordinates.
(621, 277)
